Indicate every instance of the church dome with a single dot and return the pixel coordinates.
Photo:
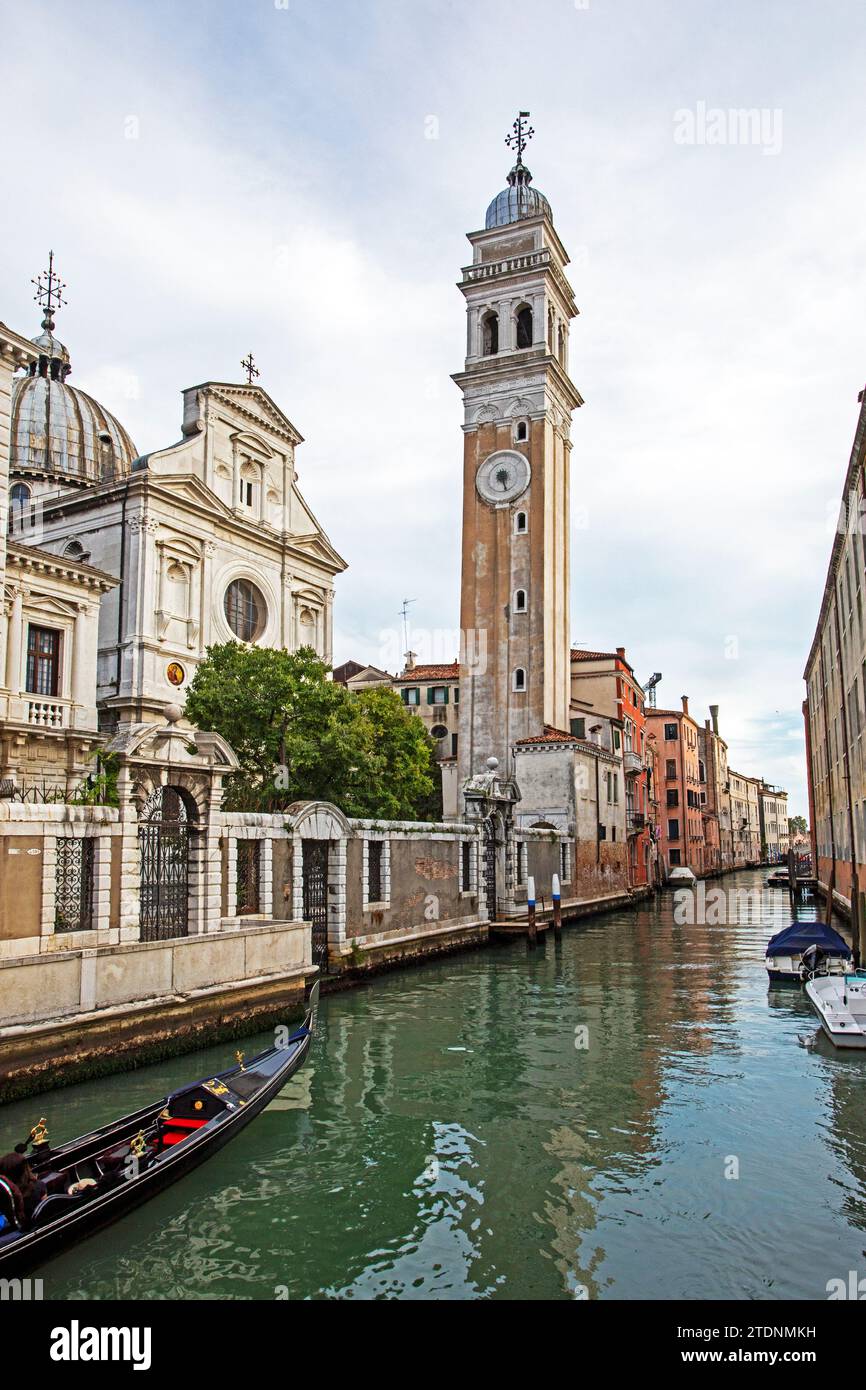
(518, 201)
(58, 432)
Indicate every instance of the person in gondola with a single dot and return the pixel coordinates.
(16, 1169)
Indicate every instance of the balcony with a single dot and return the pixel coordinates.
(46, 714)
(632, 764)
(635, 821)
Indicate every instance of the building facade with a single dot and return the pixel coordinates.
(773, 809)
(716, 794)
(49, 617)
(518, 401)
(835, 706)
(681, 842)
(604, 683)
(745, 819)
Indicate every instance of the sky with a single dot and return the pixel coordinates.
(296, 178)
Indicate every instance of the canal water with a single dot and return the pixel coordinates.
(628, 1112)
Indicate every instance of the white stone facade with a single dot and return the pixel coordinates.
(220, 507)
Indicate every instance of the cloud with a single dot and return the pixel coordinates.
(216, 179)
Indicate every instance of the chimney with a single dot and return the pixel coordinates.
(410, 661)
(620, 651)
(714, 715)
(707, 725)
(685, 700)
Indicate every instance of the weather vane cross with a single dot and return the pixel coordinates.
(49, 292)
(520, 136)
(250, 368)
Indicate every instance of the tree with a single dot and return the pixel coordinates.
(797, 825)
(298, 735)
(404, 750)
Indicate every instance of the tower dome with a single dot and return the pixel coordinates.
(518, 201)
(56, 431)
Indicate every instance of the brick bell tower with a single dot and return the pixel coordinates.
(518, 402)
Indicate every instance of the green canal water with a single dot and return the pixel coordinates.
(449, 1140)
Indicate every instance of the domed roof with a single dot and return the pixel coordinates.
(518, 201)
(60, 432)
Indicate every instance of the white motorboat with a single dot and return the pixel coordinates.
(840, 1003)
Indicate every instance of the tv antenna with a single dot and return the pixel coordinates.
(404, 612)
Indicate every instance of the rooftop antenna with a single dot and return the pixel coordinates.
(405, 615)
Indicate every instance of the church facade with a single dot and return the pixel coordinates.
(203, 542)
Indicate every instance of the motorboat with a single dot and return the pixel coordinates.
(804, 949)
(840, 1003)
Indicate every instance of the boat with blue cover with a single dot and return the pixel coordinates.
(805, 949)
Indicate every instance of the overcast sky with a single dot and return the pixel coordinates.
(297, 179)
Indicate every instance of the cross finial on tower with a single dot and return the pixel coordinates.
(520, 136)
(250, 368)
(49, 293)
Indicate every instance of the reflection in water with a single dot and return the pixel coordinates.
(453, 1137)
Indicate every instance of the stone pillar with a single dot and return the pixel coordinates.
(79, 683)
(337, 897)
(266, 875)
(14, 643)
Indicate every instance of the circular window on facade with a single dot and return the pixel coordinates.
(245, 610)
(439, 731)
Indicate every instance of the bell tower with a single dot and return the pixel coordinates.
(518, 402)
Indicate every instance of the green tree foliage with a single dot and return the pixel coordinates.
(299, 735)
(797, 825)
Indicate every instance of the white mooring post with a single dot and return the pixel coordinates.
(557, 905)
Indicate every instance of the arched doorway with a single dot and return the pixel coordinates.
(163, 836)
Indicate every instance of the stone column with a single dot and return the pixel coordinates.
(78, 683)
(14, 644)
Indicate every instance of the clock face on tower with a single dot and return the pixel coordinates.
(502, 477)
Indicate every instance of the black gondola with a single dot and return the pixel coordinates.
(123, 1164)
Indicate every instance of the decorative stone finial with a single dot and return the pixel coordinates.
(173, 713)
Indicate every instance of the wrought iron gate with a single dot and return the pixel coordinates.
(316, 897)
(490, 868)
(163, 839)
(248, 877)
(73, 885)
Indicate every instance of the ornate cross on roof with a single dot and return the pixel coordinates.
(49, 292)
(250, 368)
(521, 135)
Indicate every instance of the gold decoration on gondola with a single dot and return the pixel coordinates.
(138, 1147)
(198, 1105)
(39, 1134)
(239, 1058)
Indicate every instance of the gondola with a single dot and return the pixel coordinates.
(93, 1181)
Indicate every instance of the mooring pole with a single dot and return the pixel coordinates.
(530, 911)
(557, 905)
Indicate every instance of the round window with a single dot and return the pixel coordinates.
(245, 610)
(439, 731)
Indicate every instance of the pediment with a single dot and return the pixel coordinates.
(50, 607)
(253, 405)
(318, 548)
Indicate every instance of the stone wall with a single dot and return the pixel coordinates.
(422, 882)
